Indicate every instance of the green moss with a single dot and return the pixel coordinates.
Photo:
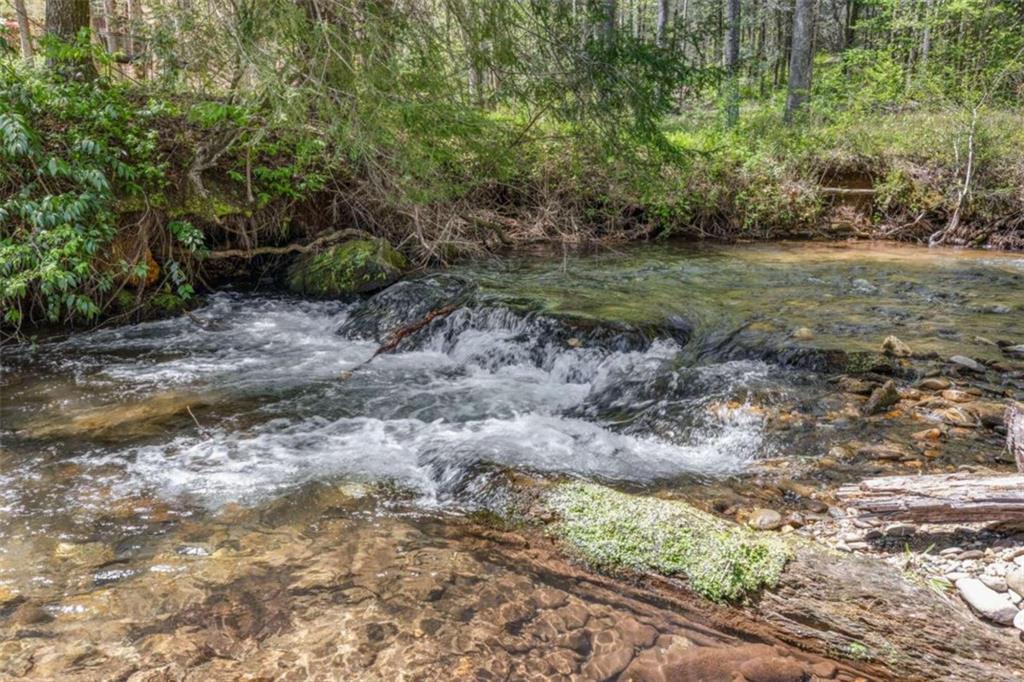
(211, 208)
(357, 266)
(861, 362)
(166, 303)
(615, 531)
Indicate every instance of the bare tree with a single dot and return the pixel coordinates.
(732, 59)
(24, 30)
(800, 58)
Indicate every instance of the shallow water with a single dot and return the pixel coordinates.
(652, 368)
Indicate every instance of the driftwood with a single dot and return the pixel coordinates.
(395, 337)
(288, 248)
(1015, 433)
(942, 498)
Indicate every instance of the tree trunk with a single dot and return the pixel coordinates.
(800, 58)
(942, 498)
(24, 31)
(732, 60)
(610, 9)
(659, 33)
(64, 20)
(926, 36)
(111, 26)
(134, 44)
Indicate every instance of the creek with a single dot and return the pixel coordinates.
(248, 489)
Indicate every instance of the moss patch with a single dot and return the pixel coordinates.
(355, 267)
(615, 531)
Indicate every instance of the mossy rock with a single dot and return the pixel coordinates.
(355, 267)
(613, 531)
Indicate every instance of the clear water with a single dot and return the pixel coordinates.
(643, 368)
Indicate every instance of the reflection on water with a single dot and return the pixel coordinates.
(233, 489)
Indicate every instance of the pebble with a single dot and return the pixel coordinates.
(994, 583)
(1018, 621)
(935, 384)
(992, 605)
(894, 347)
(950, 550)
(802, 334)
(967, 363)
(883, 397)
(1015, 580)
(901, 530)
(765, 519)
(971, 554)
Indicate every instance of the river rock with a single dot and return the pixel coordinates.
(84, 554)
(988, 603)
(1015, 579)
(989, 413)
(802, 334)
(892, 346)
(355, 267)
(928, 435)
(765, 519)
(967, 363)
(1018, 621)
(994, 582)
(956, 416)
(883, 397)
(934, 384)
(857, 386)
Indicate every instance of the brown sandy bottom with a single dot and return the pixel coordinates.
(338, 591)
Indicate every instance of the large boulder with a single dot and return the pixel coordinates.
(356, 267)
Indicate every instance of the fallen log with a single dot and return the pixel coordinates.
(1015, 433)
(844, 606)
(941, 498)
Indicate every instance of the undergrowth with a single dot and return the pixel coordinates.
(112, 193)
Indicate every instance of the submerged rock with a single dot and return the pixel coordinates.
(934, 384)
(883, 397)
(967, 363)
(356, 267)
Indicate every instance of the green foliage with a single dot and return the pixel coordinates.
(615, 531)
(67, 147)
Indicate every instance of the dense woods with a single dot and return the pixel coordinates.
(451, 126)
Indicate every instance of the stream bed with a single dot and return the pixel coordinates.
(248, 490)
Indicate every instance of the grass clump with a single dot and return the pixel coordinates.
(614, 531)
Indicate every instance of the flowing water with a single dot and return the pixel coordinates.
(228, 491)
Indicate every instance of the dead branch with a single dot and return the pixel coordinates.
(395, 337)
(349, 233)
